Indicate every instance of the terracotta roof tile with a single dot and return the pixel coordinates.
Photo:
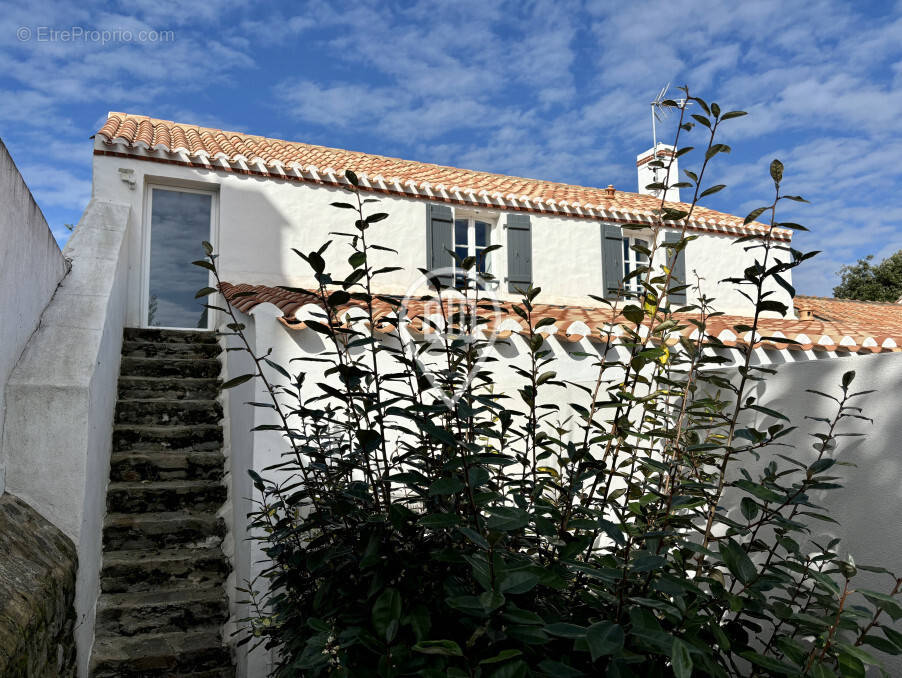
(130, 132)
(855, 335)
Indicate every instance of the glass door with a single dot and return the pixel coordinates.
(180, 220)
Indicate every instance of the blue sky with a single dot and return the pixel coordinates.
(556, 90)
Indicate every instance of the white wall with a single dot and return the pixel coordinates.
(261, 220)
(61, 399)
(870, 503)
(31, 266)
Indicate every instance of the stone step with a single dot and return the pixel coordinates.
(226, 672)
(160, 611)
(136, 571)
(158, 438)
(158, 349)
(123, 531)
(165, 496)
(191, 465)
(168, 412)
(160, 654)
(168, 388)
(169, 336)
(169, 367)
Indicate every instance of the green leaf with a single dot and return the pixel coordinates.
(893, 635)
(885, 602)
(448, 485)
(443, 647)
(754, 214)
(759, 491)
(236, 381)
(205, 291)
(712, 190)
(352, 177)
(357, 259)
(277, 367)
(565, 630)
(733, 114)
(517, 669)
(770, 664)
(474, 537)
(204, 264)
(737, 561)
(680, 659)
(776, 171)
(504, 655)
(556, 669)
(858, 653)
(749, 508)
(386, 614)
(633, 313)
(506, 518)
(518, 582)
(338, 298)
(604, 638)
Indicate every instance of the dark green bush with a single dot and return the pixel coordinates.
(419, 534)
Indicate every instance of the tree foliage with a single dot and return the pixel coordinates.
(422, 523)
(869, 282)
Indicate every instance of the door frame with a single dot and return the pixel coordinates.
(183, 187)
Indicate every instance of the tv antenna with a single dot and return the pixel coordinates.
(661, 111)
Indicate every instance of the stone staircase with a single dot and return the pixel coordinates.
(162, 602)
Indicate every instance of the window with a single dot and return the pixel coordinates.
(471, 237)
(631, 261)
(179, 221)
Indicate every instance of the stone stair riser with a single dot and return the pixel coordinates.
(165, 413)
(135, 466)
(151, 534)
(169, 336)
(151, 497)
(149, 349)
(164, 662)
(146, 388)
(195, 568)
(192, 611)
(166, 367)
(202, 437)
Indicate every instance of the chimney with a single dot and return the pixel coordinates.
(651, 172)
(805, 313)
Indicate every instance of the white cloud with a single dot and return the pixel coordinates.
(556, 90)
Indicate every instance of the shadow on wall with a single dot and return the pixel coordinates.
(870, 502)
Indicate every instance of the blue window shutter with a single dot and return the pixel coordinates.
(677, 266)
(519, 252)
(439, 239)
(612, 259)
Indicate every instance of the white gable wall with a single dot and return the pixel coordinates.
(261, 220)
(31, 266)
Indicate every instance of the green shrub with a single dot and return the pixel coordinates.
(413, 533)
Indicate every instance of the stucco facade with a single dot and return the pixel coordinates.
(260, 220)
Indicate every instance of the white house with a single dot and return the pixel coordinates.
(160, 188)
